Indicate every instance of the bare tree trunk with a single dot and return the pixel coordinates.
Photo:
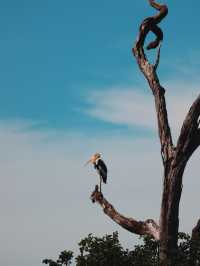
(169, 218)
(174, 158)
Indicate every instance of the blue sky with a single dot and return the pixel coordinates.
(69, 86)
(53, 55)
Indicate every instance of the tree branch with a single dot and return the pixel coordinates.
(148, 227)
(158, 58)
(150, 74)
(196, 231)
(189, 138)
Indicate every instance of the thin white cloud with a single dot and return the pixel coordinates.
(133, 107)
(122, 106)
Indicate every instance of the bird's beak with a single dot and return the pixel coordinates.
(88, 162)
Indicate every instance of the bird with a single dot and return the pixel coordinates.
(100, 166)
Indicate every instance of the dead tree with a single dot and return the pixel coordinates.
(174, 158)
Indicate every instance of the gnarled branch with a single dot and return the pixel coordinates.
(150, 24)
(148, 227)
(149, 72)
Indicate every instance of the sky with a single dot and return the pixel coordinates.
(69, 87)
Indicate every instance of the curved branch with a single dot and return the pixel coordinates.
(150, 24)
(148, 227)
(163, 11)
(150, 74)
(189, 138)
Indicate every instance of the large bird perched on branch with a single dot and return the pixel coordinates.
(100, 166)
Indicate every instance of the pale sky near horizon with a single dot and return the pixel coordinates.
(71, 87)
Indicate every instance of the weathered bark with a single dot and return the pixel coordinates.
(148, 227)
(174, 158)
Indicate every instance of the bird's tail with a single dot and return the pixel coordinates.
(104, 179)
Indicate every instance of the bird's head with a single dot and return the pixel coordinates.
(93, 159)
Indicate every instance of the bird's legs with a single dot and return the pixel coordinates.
(100, 183)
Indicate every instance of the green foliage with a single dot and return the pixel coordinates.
(107, 251)
(145, 254)
(101, 251)
(183, 257)
(64, 258)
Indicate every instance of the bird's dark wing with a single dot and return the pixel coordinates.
(102, 170)
(95, 166)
